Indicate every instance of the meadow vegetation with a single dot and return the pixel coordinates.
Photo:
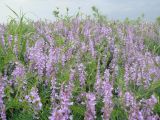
(79, 67)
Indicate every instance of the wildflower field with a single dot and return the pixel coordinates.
(79, 67)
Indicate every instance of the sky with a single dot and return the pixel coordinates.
(113, 9)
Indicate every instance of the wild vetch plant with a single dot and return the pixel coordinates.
(79, 68)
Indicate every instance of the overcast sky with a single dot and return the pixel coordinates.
(114, 9)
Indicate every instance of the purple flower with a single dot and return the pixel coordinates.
(140, 116)
(56, 115)
(62, 112)
(83, 47)
(54, 95)
(50, 39)
(151, 102)
(147, 107)
(81, 70)
(50, 61)
(91, 48)
(106, 30)
(135, 114)
(106, 75)
(63, 59)
(65, 103)
(68, 54)
(129, 99)
(107, 89)
(38, 57)
(34, 99)
(72, 75)
(153, 117)
(3, 40)
(90, 113)
(70, 35)
(2, 106)
(52, 58)
(19, 71)
(10, 38)
(98, 83)
(87, 32)
(19, 76)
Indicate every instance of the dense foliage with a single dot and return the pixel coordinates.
(79, 68)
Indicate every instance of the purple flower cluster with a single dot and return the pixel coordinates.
(54, 95)
(142, 110)
(19, 71)
(2, 105)
(34, 99)
(98, 83)
(19, 79)
(129, 100)
(140, 67)
(107, 89)
(82, 77)
(2, 41)
(38, 57)
(52, 58)
(91, 48)
(57, 58)
(90, 113)
(62, 111)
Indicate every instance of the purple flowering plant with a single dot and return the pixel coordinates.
(79, 68)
